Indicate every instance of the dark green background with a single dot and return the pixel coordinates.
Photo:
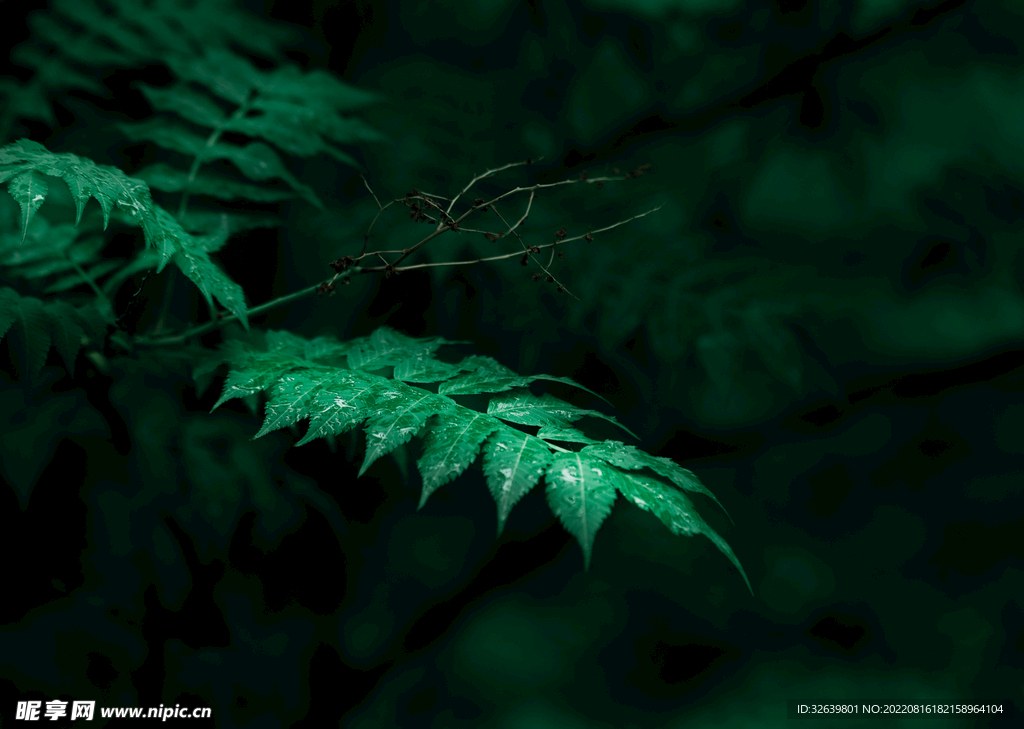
(823, 322)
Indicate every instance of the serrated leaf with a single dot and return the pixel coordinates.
(85, 179)
(324, 347)
(487, 375)
(258, 374)
(527, 409)
(630, 458)
(292, 397)
(29, 189)
(385, 348)
(513, 463)
(38, 323)
(259, 162)
(424, 369)
(342, 403)
(581, 486)
(399, 420)
(580, 491)
(564, 434)
(193, 260)
(451, 445)
(675, 510)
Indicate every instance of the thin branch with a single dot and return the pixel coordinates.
(486, 174)
(346, 266)
(512, 229)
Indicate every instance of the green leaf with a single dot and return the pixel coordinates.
(343, 403)
(385, 348)
(581, 491)
(398, 415)
(315, 88)
(195, 263)
(527, 409)
(513, 463)
(630, 458)
(29, 189)
(164, 177)
(258, 374)
(581, 486)
(186, 102)
(165, 134)
(226, 74)
(38, 323)
(325, 347)
(564, 434)
(109, 185)
(294, 394)
(289, 134)
(424, 369)
(486, 375)
(675, 510)
(259, 162)
(255, 160)
(451, 445)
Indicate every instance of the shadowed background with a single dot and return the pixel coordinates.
(823, 322)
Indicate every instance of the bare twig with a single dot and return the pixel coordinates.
(349, 265)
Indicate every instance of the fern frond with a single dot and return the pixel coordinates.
(255, 160)
(123, 34)
(581, 485)
(40, 324)
(296, 110)
(111, 187)
(292, 110)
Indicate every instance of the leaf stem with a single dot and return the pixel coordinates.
(227, 318)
